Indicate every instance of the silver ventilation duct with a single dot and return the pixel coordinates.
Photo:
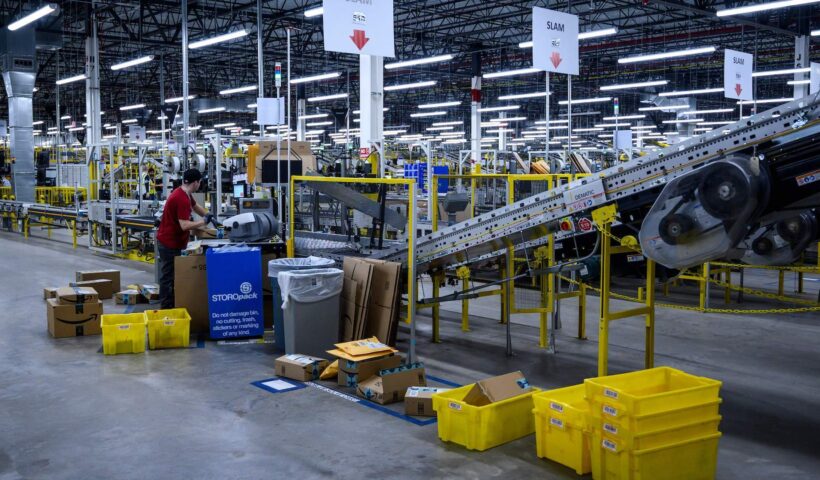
(18, 61)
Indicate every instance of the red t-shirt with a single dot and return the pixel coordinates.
(178, 207)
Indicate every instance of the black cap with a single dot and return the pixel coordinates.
(191, 175)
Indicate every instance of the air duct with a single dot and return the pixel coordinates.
(18, 61)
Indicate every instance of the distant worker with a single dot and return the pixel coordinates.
(174, 231)
(5, 182)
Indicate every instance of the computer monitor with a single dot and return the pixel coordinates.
(239, 190)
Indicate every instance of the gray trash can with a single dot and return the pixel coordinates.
(311, 306)
(285, 265)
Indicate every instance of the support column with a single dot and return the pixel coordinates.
(185, 102)
(502, 139)
(92, 85)
(801, 60)
(19, 84)
(301, 106)
(371, 95)
(475, 116)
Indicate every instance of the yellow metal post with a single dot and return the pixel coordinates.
(603, 325)
(649, 355)
(582, 311)
(73, 233)
(780, 279)
(463, 273)
(437, 278)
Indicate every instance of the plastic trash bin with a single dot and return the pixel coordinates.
(277, 266)
(310, 303)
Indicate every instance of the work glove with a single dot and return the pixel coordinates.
(209, 218)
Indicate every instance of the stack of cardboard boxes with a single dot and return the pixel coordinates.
(74, 312)
(370, 299)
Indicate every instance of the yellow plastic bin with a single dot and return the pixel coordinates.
(480, 428)
(693, 459)
(562, 427)
(169, 328)
(642, 441)
(123, 333)
(649, 391)
(655, 421)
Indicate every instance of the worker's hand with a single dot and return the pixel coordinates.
(208, 218)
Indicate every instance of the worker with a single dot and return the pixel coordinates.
(174, 231)
(5, 182)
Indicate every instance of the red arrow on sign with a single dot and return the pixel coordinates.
(555, 58)
(738, 89)
(359, 38)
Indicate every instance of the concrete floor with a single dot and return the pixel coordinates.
(67, 411)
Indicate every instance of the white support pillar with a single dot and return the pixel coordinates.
(801, 60)
(92, 87)
(475, 115)
(301, 107)
(371, 95)
(502, 134)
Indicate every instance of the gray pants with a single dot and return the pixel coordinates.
(166, 275)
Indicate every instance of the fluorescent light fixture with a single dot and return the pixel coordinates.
(581, 101)
(624, 117)
(313, 115)
(519, 96)
(681, 93)
(319, 124)
(32, 17)
(132, 63)
(110, 127)
(665, 55)
(762, 7)
(624, 86)
(443, 124)
(419, 61)
(65, 117)
(815, 33)
(544, 122)
(132, 107)
(76, 129)
(704, 112)
(502, 108)
(798, 82)
(38, 122)
(581, 36)
(643, 127)
(323, 98)
(428, 114)
(391, 133)
(493, 123)
(684, 120)
(75, 78)
(510, 119)
(208, 130)
(660, 109)
(316, 78)
(724, 122)
(440, 105)
(511, 73)
(579, 130)
(433, 129)
(211, 110)
(230, 91)
(179, 99)
(224, 125)
(314, 12)
(218, 39)
(785, 71)
(130, 120)
(766, 100)
(703, 129)
(392, 88)
(358, 112)
(252, 105)
(610, 125)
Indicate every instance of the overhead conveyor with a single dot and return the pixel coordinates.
(709, 196)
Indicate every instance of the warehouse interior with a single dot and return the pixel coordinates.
(250, 238)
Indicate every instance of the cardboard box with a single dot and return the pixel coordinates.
(49, 292)
(129, 297)
(72, 295)
(299, 367)
(358, 348)
(113, 275)
(358, 275)
(496, 389)
(390, 385)
(104, 287)
(191, 290)
(351, 372)
(266, 151)
(383, 307)
(418, 401)
(75, 320)
(150, 291)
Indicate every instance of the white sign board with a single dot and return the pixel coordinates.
(737, 75)
(585, 196)
(814, 78)
(362, 27)
(136, 133)
(554, 41)
(270, 111)
(622, 140)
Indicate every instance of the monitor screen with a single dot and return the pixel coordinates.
(239, 191)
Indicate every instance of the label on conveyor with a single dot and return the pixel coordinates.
(584, 197)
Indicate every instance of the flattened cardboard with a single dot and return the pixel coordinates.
(418, 401)
(113, 275)
(49, 292)
(103, 286)
(362, 273)
(353, 372)
(72, 295)
(367, 346)
(390, 385)
(77, 320)
(382, 311)
(496, 389)
(191, 290)
(299, 367)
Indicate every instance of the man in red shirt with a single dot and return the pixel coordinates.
(174, 231)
